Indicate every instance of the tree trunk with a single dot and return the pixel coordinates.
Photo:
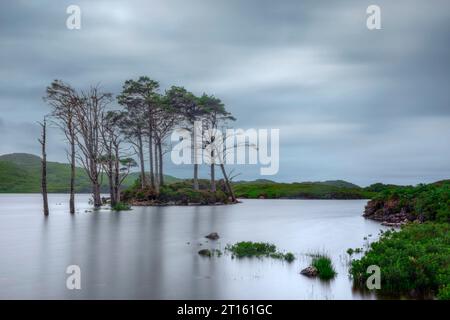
(227, 183)
(213, 179)
(44, 169)
(141, 160)
(72, 176)
(196, 176)
(156, 170)
(213, 173)
(112, 194)
(150, 153)
(117, 175)
(161, 173)
(96, 194)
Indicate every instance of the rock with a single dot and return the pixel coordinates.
(213, 236)
(393, 224)
(309, 271)
(205, 253)
(388, 211)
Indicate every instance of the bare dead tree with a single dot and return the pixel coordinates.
(224, 147)
(215, 115)
(43, 142)
(89, 142)
(64, 100)
(115, 167)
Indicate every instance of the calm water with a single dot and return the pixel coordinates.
(151, 253)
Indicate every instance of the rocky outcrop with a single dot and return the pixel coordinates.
(390, 212)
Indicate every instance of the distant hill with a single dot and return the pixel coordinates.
(20, 173)
(340, 184)
(255, 181)
(332, 183)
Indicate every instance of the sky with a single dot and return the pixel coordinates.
(351, 103)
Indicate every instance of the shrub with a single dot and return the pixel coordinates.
(413, 260)
(444, 293)
(289, 257)
(120, 206)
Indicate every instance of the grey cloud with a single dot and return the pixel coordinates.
(348, 100)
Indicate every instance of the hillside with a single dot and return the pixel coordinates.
(20, 173)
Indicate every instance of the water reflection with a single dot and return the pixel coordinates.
(151, 253)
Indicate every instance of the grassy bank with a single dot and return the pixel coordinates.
(303, 190)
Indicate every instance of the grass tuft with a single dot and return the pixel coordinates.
(324, 267)
(120, 206)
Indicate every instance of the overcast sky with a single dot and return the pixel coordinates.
(350, 103)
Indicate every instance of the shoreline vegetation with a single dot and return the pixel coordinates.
(178, 193)
(414, 261)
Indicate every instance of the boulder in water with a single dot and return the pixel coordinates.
(213, 236)
(205, 253)
(309, 271)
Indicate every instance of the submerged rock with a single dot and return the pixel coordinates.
(213, 236)
(205, 253)
(309, 271)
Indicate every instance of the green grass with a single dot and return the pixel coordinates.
(258, 249)
(120, 207)
(324, 266)
(413, 260)
(303, 190)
